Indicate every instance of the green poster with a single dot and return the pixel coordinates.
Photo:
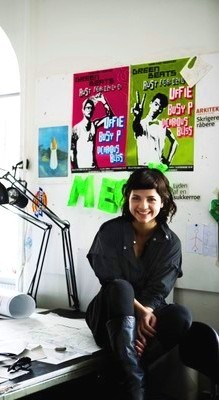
(161, 116)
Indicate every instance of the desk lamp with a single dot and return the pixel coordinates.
(33, 288)
(21, 188)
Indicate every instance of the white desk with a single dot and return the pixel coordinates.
(44, 375)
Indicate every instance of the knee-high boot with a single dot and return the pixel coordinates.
(122, 334)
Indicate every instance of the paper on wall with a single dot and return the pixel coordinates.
(194, 70)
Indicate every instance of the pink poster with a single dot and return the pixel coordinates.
(99, 119)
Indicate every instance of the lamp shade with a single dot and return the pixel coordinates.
(3, 194)
(16, 198)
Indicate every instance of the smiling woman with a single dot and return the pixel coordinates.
(10, 244)
(137, 259)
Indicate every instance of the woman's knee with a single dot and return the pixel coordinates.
(173, 322)
(184, 316)
(180, 318)
(120, 287)
(175, 317)
(119, 298)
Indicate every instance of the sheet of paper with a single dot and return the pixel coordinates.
(35, 353)
(194, 70)
(55, 357)
(16, 346)
(202, 239)
(1, 381)
(4, 374)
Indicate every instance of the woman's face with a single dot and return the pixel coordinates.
(144, 205)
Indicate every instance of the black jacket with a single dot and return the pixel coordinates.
(152, 275)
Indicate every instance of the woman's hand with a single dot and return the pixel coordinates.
(146, 327)
(140, 345)
(147, 324)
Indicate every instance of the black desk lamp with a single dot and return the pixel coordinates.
(33, 288)
(21, 188)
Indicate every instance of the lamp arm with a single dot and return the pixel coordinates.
(66, 242)
(26, 216)
(33, 288)
(35, 200)
(69, 269)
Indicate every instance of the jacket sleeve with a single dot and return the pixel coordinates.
(103, 257)
(162, 278)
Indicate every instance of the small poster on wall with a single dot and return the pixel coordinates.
(53, 152)
(99, 119)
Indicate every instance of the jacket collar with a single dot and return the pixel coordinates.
(162, 233)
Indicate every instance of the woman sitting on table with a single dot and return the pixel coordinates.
(137, 259)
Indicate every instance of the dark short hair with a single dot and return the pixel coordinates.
(145, 178)
(163, 99)
(87, 101)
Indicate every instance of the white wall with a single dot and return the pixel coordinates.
(54, 37)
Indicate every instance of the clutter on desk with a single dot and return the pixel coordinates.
(47, 337)
(6, 374)
(23, 363)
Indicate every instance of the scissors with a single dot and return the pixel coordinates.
(23, 363)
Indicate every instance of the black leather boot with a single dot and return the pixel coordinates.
(122, 334)
(153, 352)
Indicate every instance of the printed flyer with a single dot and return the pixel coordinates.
(161, 116)
(99, 119)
